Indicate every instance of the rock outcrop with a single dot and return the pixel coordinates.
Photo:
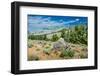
(58, 45)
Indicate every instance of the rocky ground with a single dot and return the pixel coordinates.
(47, 50)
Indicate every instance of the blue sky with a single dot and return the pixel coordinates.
(36, 22)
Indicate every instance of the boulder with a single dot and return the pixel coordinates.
(61, 43)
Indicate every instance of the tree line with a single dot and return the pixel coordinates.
(77, 34)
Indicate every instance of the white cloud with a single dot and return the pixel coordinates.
(41, 21)
(77, 19)
(71, 21)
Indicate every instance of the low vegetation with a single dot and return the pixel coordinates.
(75, 39)
(67, 53)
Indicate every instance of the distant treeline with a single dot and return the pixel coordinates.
(37, 37)
(77, 34)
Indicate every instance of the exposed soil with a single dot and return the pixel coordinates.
(36, 52)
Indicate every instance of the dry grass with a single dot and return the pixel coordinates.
(44, 51)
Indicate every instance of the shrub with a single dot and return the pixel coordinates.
(77, 35)
(55, 37)
(33, 58)
(67, 53)
(47, 50)
(37, 49)
(63, 33)
(66, 36)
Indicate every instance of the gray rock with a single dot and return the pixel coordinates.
(60, 44)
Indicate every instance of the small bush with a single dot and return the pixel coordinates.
(49, 44)
(55, 37)
(47, 50)
(67, 53)
(37, 49)
(33, 58)
(77, 35)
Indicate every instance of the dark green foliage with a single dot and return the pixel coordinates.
(63, 33)
(55, 37)
(37, 37)
(77, 34)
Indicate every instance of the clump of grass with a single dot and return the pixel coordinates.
(49, 44)
(47, 50)
(67, 53)
(45, 43)
(84, 49)
(37, 49)
(33, 58)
